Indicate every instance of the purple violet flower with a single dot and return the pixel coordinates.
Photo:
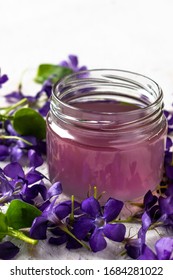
(29, 187)
(149, 200)
(53, 216)
(169, 117)
(4, 152)
(3, 79)
(169, 172)
(163, 247)
(18, 150)
(99, 224)
(6, 189)
(151, 206)
(14, 96)
(42, 107)
(168, 143)
(8, 250)
(72, 63)
(166, 209)
(134, 246)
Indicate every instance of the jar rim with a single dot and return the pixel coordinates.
(114, 72)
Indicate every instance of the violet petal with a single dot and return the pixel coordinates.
(169, 171)
(4, 152)
(133, 247)
(14, 96)
(39, 228)
(9, 129)
(166, 205)
(54, 190)
(3, 79)
(58, 240)
(64, 63)
(164, 248)
(6, 189)
(112, 209)
(14, 170)
(115, 232)
(168, 143)
(62, 210)
(91, 206)
(16, 154)
(73, 61)
(149, 200)
(29, 193)
(147, 254)
(8, 250)
(45, 109)
(97, 241)
(35, 159)
(146, 221)
(72, 243)
(82, 226)
(34, 176)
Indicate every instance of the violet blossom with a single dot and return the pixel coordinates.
(169, 118)
(134, 246)
(166, 208)
(34, 101)
(3, 79)
(151, 206)
(99, 224)
(163, 248)
(29, 187)
(72, 63)
(8, 250)
(19, 148)
(55, 218)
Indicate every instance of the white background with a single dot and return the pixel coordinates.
(125, 34)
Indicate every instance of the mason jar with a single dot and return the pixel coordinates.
(106, 129)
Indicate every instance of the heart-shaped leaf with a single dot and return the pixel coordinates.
(21, 214)
(29, 122)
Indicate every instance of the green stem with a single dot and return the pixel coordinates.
(4, 117)
(9, 109)
(95, 192)
(65, 229)
(72, 210)
(156, 224)
(20, 235)
(159, 188)
(128, 220)
(16, 138)
(138, 204)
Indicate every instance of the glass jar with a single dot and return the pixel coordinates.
(106, 128)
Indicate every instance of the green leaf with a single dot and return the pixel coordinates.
(54, 72)
(3, 225)
(21, 214)
(29, 122)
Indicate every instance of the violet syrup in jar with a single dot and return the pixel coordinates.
(106, 128)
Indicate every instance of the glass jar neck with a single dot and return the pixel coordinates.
(110, 101)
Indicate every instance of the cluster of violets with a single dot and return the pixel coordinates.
(87, 223)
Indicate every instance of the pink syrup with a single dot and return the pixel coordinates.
(123, 171)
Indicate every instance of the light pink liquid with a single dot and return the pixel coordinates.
(124, 172)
